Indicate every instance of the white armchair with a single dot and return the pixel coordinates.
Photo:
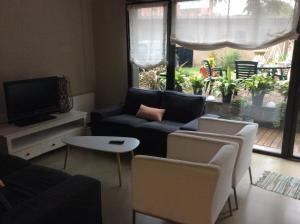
(191, 186)
(243, 133)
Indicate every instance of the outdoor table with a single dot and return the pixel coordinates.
(273, 70)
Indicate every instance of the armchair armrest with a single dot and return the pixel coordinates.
(100, 114)
(221, 126)
(76, 200)
(245, 139)
(173, 189)
(192, 148)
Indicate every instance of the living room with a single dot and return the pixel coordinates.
(88, 42)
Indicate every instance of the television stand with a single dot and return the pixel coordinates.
(33, 120)
(33, 140)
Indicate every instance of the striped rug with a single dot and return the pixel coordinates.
(279, 183)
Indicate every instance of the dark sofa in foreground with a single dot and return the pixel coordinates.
(182, 111)
(40, 195)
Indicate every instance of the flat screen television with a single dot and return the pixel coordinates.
(32, 100)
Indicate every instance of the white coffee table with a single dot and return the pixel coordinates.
(101, 143)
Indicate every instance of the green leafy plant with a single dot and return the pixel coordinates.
(198, 82)
(284, 88)
(225, 86)
(180, 77)
(259, 85)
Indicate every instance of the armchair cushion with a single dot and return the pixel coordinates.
(182, 107)
(135, 97)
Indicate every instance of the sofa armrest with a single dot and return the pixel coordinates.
(173, 189)
(77, 200)
(190, 126)
(10, 164)
(100, 114)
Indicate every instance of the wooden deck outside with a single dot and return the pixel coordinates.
(269, 139)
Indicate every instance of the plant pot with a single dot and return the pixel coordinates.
(197, 91)
(227, 98)
(258, 100)
(178, 88)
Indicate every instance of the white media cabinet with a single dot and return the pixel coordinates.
(33, 140)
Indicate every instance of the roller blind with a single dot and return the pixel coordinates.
(241, 24)
(148, 34)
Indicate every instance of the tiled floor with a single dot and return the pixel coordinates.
(257, 206)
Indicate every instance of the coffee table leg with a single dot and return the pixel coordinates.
(119, 169)
(132, 154)
(66, 156)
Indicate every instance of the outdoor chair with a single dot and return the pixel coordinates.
(190, 186)
(240, 132)
(210, 70)
(245, 69)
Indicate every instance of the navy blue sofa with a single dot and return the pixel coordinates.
(182, 111)
(39, 195)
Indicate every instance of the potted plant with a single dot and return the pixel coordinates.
(180, 78)
(284, 88)
(198, 82)
(226, 86)
(259, 85)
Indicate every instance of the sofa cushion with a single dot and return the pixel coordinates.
(153, 137)
(125, 119)
(182, 107)
(9, 164)
(30, 181)
(164, 126)
(135, 97)
(120, 125)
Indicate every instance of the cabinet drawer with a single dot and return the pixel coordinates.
(52, 144)
(29, 152)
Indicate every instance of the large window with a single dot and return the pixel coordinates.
(199, 55)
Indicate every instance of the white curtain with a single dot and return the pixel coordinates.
(148, 34)
(241, 24)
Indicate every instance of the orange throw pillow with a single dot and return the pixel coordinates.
(150, 113)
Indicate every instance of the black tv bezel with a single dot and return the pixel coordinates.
(35, 113)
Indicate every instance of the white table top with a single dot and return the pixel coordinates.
(101, 143)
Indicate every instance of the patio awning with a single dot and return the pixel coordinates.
(240, 24)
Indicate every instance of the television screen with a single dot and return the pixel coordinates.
(32, 97)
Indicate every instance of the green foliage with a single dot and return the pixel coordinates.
(197, 81)
(260, 84)
(225, 86)
(228, 60)
(283, 88)
(180, 77)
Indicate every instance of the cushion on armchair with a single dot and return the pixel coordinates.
(135, 97)
(182, 107)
